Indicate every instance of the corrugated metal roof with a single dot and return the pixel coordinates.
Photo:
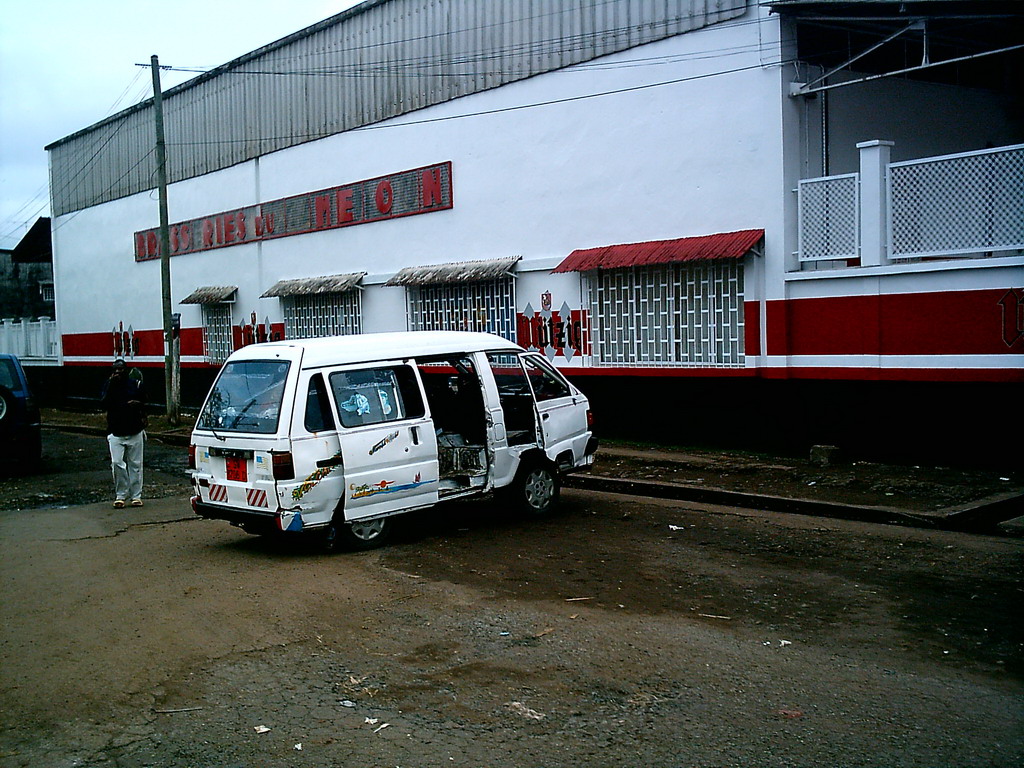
(210, 294)
(308, 286)
(377, 60)
(455, 272)
(726, 245)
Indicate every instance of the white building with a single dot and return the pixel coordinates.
(722, 220)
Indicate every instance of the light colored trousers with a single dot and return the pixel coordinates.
(126, 465)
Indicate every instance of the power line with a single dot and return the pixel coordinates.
(84, 167)
(422, 65)
(70, 217)
(519, 20)
(31, 200)
(539, 48)
(397, 68)
(24, 223)
(500, 110)
(117, 101)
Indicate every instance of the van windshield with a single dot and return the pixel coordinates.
(246, 397)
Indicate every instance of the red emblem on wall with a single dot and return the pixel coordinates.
(552, 332)
(1012, 303)
(125, 343)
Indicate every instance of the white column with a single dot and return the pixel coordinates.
(874, 160)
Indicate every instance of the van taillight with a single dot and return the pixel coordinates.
(590, 420)
(191, 457)
(284, 469)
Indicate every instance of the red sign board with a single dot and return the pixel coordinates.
(406, 193)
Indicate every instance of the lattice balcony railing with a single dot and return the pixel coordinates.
(969, 204)
(829, 218)
(957, 205)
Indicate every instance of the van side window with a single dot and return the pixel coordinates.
(318, 407)
(376, 395)
(547, 385)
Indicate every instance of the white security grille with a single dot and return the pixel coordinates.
(958, 204)
(829, 217)
(485, 306)
(671, 315)
(324, 314)
(217, 332)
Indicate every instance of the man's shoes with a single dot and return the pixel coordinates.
(119, 504)
(136, 502)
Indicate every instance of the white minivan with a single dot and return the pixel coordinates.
(337, 435)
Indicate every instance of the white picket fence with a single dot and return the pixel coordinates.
(33, 341)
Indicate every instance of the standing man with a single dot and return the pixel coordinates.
(123, 399)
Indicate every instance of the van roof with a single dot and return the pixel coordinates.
(342, 350)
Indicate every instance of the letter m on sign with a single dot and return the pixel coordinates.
(432, 187)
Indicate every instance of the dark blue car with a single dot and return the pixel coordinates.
(20, 442)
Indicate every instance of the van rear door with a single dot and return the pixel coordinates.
(388, 445)
(562, 411)
(238, 432)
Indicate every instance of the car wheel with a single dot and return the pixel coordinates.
(6, 403)
(536, 489)
(357, 535)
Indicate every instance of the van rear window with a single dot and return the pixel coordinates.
(246, 397)
(376, 395)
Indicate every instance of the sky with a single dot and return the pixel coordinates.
(66, 64)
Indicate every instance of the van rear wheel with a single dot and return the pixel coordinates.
(357, 535)
(536, 489)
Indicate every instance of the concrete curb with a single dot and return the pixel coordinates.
(978, 516)
(721, 497)
(986, 513)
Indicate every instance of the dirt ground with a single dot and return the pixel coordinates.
(621, 631)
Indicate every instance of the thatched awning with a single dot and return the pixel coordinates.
(211, 294)
(456, 272)
(311, 286)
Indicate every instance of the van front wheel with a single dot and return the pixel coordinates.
(536, 489)
(358, 535)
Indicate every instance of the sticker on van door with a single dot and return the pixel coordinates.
(385, 486)
(311, 482)
(386, 441)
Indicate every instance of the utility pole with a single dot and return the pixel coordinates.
(172, 355)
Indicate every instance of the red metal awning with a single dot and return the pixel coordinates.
(726, 245)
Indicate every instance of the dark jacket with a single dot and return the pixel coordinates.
(123, 399)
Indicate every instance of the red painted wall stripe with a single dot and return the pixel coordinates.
(752, 328)
(984, 322)
(943, 323)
